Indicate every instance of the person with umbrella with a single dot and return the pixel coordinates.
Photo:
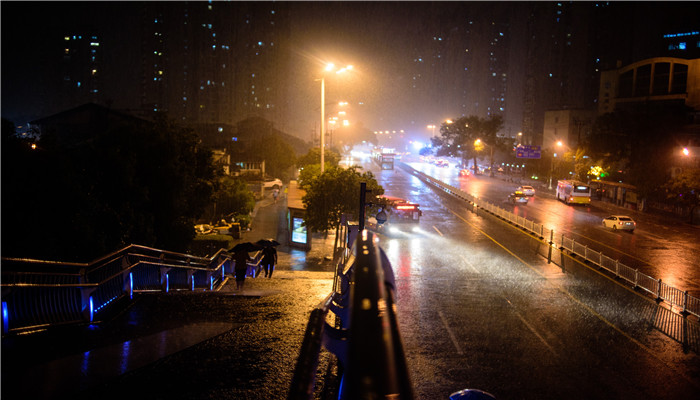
(241, 257)
(269, 255)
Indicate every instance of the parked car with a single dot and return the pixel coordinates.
(518, 197)
(622, 222)
(272, 183)
(464, 172)
(527, 190)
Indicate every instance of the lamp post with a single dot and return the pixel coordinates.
(329, 67)
(551, 167)
(431, 126)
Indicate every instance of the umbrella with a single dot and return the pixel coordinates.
(267, 243)
(246, 246)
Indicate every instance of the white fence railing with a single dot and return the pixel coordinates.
(655, 287)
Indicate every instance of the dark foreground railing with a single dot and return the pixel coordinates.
(367, 341)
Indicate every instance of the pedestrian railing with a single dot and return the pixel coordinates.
(39, 294)
(660, 290)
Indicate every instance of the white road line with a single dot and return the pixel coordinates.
(438, 231)
(469, 264)
(532, 329)
(452, 335)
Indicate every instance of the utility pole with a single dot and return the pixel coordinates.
(363, 194)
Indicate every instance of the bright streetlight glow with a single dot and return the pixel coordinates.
(685, 151)
(329, 67)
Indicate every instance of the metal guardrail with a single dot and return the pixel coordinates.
(662, 291)
(367, 342)
(39, 294)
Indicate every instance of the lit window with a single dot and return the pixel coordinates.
(94, 44)
(66, 38)
(78, 84)
(681, 46)
(184, 98)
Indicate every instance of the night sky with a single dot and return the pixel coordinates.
(373, 36)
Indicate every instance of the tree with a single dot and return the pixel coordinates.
(333, 193)
(331, 158)
(471, 136)
(684, 188)
(631, 137)
(233, 197)
(128, 183)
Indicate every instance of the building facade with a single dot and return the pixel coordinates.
(661, 79)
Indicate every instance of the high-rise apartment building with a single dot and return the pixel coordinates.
(81, 68)
(213, 62)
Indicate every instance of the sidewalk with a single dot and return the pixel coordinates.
(269, 221)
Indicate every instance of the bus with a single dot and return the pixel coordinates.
(573, 192)
(384, 159)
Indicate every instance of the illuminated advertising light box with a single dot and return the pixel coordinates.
(298, 231)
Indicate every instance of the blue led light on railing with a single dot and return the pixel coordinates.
(131, 285)
(5, 317)
(167, 283)
(211, 282)
(92, 310)
(105, 303)
(193, 282)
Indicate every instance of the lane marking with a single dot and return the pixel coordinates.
(452, 335)
(532, 329)
(581, 304)
(469, 264)
(438, 231)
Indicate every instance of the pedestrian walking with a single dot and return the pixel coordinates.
(241, 267)
(275, 194)
(269, 260)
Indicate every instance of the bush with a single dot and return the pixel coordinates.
(244, 220)
(207, 245)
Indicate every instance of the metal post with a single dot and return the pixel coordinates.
(363, 191)
(658, 291)
(323, 122)
(685, 303)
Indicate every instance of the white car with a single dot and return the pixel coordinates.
(272, 183)
(621, 222)
(527, 190)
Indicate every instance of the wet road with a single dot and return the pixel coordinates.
(480, 307)
(659, 247)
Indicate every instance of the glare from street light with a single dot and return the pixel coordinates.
(686, 152)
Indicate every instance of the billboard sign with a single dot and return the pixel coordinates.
(528, 151)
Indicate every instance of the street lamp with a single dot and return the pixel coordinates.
(551, 168)
(329, 67)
